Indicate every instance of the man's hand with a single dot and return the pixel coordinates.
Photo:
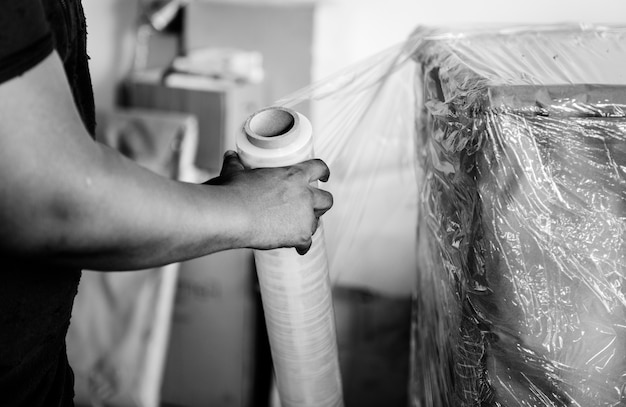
(283, 204)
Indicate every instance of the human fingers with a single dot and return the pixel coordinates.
(304, 249)
(315, 169)
(322, 201)
(232, 163)
(328, 202)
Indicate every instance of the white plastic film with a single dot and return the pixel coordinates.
(295, 289)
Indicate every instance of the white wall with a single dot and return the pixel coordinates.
(350, 30)
(346, 31)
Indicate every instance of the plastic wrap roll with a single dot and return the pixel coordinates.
(295, 289)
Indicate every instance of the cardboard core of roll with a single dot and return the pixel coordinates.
(272, 127)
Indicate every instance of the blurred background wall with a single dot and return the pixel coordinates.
(344, 31)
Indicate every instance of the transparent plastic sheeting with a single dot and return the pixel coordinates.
(521, 298)
(363, 120)
(504, 152)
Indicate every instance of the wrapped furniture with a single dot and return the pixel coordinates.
(521, 296)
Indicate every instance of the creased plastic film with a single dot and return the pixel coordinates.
(364, 120)
(521, 256)
(295, 289)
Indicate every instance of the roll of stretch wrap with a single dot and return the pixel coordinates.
(295, 289)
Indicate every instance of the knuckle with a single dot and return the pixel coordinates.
(295, 171)
(323, 164)
(306, 198)
(305, 239)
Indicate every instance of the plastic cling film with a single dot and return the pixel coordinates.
(521, 294)
(364, 124)
(300, 322)
(295, 289)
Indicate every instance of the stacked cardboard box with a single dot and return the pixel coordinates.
(219, 106)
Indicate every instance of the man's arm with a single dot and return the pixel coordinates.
(67, 199)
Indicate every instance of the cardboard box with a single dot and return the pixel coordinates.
(212, 358)
(220, 107)
(373, 338)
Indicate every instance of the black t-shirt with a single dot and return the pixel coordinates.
(30, 29)
(36, 301)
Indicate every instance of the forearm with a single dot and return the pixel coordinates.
(124, 217)
(113, 215)
(67, 199)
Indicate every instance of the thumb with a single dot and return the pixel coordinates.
(304, 249)
(231, 164)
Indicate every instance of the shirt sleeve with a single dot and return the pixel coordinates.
(25, 37)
